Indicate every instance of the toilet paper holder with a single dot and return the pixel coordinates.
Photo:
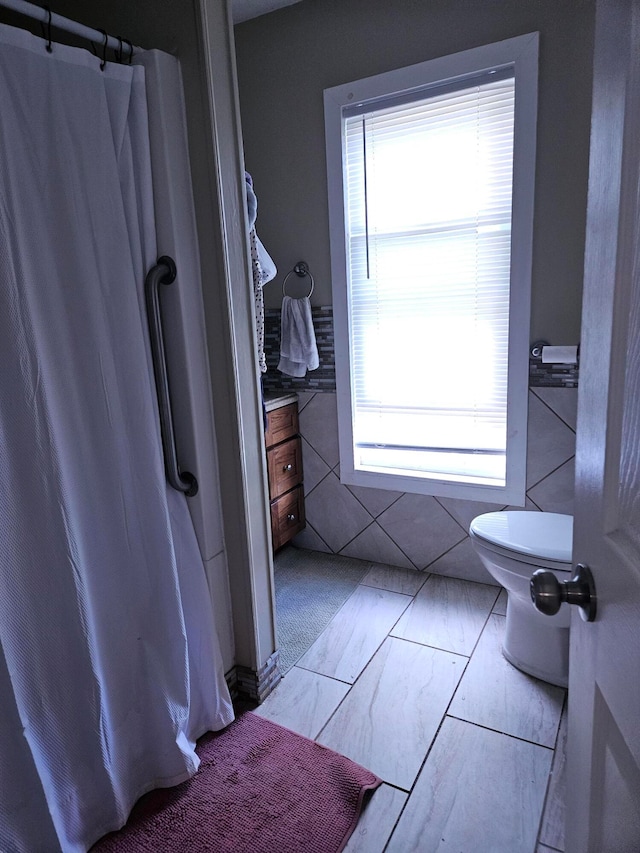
(536, 348)
(542, 351)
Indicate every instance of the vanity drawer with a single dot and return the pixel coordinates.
(284, 467)
(282, 424)
(284, 462)
(287, 516)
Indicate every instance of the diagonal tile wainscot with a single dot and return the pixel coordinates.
(421, 528)
(356, 632)
(335, 514)
(462, 562)
(314, 467)
(562, 401)
(319, 426)
(406, 689)
(555, 493)
(309, 540)
(375, 500)
(465, 511)
(448, 614)
(550, 441)
(374, 544)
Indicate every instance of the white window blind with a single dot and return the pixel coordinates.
(428, 237)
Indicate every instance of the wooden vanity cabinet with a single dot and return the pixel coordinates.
(284, 464)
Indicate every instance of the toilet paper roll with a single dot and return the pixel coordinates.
(560, 355)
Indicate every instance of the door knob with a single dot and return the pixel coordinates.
(548, 593)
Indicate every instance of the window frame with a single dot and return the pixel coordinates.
(520, 54)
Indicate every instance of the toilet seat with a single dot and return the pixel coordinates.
(544, 539)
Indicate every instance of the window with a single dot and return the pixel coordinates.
(431, 207)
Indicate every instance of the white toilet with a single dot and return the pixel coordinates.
(512, 545)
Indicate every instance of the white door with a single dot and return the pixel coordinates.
(603, 785)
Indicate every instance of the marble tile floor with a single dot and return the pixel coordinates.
(409, 681)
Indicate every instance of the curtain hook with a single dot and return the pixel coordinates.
(46, 31)
(104, 50)
(119, 50)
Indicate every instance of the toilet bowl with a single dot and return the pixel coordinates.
(512, 545)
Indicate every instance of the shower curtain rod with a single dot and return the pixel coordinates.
(61, 23)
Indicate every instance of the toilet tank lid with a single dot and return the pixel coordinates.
(540, 534)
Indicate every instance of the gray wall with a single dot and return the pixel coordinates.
(287, 58)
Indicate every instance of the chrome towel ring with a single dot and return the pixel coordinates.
(301, 269)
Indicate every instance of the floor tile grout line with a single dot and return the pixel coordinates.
(526, 740)
(429, 646)
(388, 636)
(322, 675)
(451, 716)
(486, 622)
(297, 662)
(386, 588)
(500, 732)
(414, 571)
(326, 627)
(429, 750)
(362, 671)
(550, 777)
(475, 646)
(467, 658)
(418, 774)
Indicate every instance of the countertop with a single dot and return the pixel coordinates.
(276, 399)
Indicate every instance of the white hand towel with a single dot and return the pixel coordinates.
(298, 349)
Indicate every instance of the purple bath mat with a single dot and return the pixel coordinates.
(260, 788)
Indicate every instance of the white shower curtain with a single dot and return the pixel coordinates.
(109, 662)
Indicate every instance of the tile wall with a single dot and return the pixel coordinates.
(402, 529)
(417, 531)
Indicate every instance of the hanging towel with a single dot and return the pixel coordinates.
(263, 269)
(298, 350)
(259, 280)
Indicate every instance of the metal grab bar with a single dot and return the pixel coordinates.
(164, 272)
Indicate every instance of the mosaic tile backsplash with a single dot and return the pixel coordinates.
(552, 375)
(324, 378)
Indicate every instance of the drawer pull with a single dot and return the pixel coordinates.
(287, 467)
(291, 517)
